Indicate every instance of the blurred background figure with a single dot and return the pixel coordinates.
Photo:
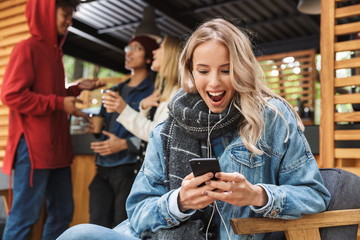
(117, 149)
(39, 145)
(153, 109)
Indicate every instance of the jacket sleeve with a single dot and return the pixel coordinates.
(18, 80)
(300, 189)
(138, 124)
(148, 205)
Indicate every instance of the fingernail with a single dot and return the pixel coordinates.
(210, 174)
(207, 182)
(205, 193)
(217, 175)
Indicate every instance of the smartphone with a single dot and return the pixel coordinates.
(200, 166)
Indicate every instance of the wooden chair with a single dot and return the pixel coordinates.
(340, 221)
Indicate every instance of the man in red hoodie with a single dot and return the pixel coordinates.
(39, 145)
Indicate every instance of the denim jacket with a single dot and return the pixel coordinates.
(144, 89)
(287, 171)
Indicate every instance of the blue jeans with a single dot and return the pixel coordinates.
(52, 184)
(93, 232)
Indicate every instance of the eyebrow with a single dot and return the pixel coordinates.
(204, 65)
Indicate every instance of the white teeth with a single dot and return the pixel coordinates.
(215, 94)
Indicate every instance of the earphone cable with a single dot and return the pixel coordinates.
(209, 154)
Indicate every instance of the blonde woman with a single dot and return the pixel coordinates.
(223, 111)
(165, 62)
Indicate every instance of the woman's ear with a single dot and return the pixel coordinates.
(148, 61)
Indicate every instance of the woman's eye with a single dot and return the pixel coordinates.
(203, 71)
(225, 71)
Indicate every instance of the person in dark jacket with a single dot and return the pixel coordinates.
(39, 145)
(117, 150)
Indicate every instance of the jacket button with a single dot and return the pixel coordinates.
(168, 220)
(273, 213)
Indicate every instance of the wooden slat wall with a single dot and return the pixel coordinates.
(339, 20)
(13, 29)
(288, 83)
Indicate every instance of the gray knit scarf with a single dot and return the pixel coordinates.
(185, 136)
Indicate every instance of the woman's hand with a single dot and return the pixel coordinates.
(112, 145)
(113, 102)
(233, 188)
(151, 101)
(191, 195)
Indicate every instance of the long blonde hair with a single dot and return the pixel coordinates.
(245, 73)
(167, 76)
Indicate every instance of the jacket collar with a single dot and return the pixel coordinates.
(147, 82)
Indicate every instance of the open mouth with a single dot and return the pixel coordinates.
(216, 96)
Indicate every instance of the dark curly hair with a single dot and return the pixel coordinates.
(67, 3)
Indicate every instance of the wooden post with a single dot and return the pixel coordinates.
(327, 41)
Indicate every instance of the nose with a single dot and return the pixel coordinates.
(214, 79)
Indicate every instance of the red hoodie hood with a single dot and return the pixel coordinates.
(41, 17)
